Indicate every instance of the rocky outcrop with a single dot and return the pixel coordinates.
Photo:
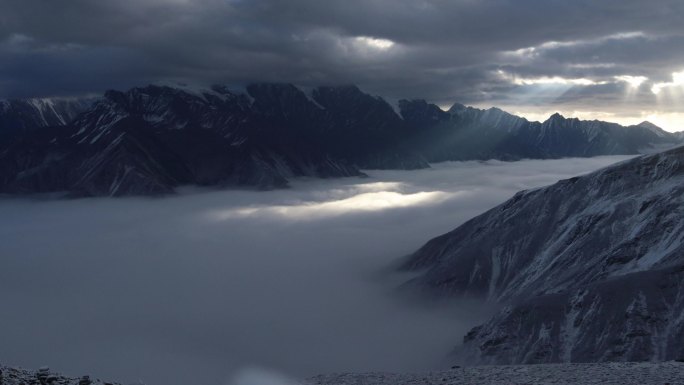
(43, 376)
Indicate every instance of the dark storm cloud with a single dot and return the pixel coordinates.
(443, 50)
(30, 69)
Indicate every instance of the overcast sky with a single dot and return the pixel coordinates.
(619, 60)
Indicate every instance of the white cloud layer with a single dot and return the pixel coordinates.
(198, 288)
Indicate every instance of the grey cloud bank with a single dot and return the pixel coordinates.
(445, 51)
(200, 287)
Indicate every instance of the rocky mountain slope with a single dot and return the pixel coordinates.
(592, 268)
(466, 133)
(152, 139)
(18, 115)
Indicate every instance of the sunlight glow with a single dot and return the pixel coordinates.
(677, 81)
(546, 80)
(376, 43)
(364, 202)
(633, 81)
(591, 65)
(541, 116)
(668, 121)
(531, 52)
(379, 186)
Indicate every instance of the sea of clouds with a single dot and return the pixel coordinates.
(209, 287)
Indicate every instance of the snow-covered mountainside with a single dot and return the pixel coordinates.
(592, 268)
(627, 373)
(31, 114)
(150, 140)
(16, 376)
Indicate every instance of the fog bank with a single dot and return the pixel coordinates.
(201, 287)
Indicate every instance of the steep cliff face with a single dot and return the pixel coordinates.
(556, 252)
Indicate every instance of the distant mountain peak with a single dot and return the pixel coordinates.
(646, 123)
(653, 128)
(457, 107)
(556, 116)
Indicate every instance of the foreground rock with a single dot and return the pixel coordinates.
(664, 373)
(43, 376)
(592, 268)
(624, 373)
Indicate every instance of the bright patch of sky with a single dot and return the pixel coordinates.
(546, 80)
(634, 81)
(677, 82)
(380, 44)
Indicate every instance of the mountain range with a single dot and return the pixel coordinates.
(589, 269)
(150, 140)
